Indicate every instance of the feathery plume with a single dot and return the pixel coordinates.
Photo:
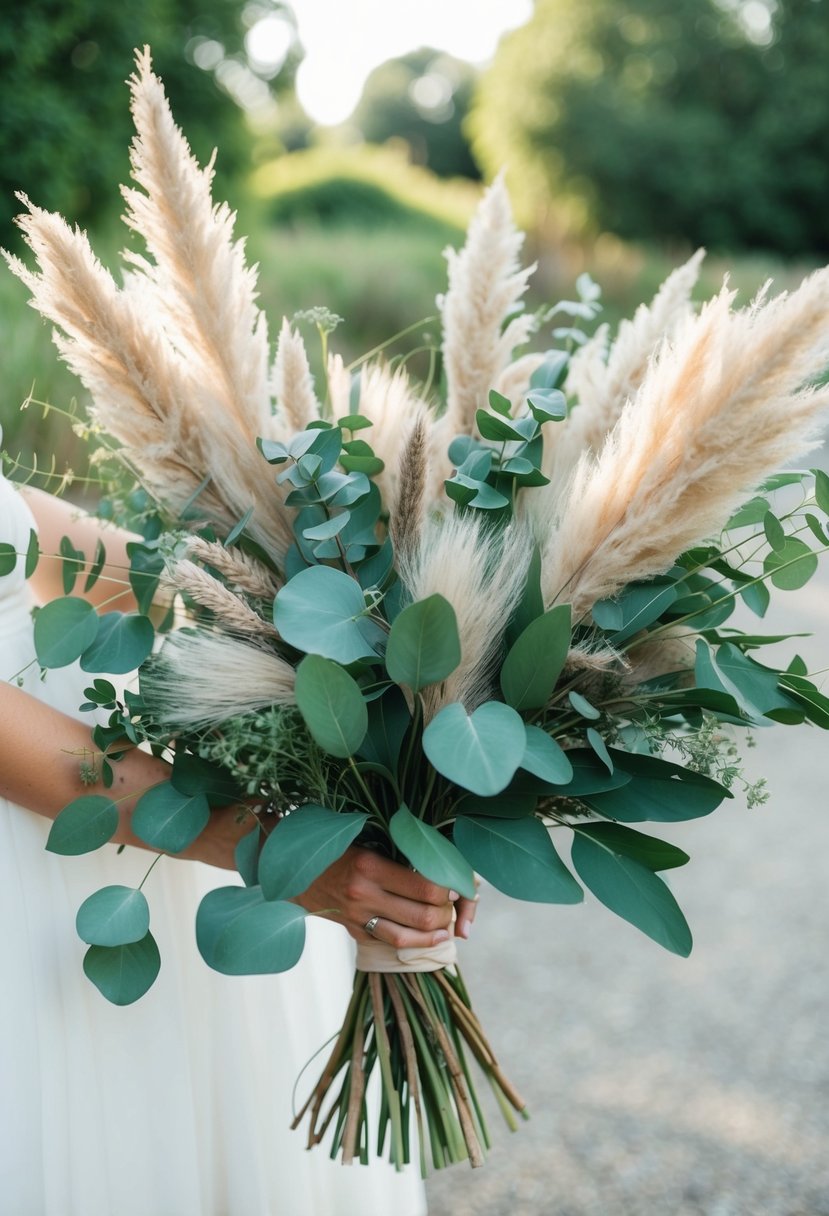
(482, 576)
(388, 399)
(719, 410)
(200, 679)
(201, 285)
(514, 381)
(486, 283)
(603, 388)
(241, 571)
(292, 385)
(339, 386)
(230, 610)
(407, 508)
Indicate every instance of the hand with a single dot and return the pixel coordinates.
(413, 912)
(465, 910)
(216, 845)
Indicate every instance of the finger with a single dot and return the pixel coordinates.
(400, 880)
(426, 918)
(466, 909)
(403, 938)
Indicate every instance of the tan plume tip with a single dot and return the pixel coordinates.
(230, 610)
(292, 385)
(241, 571)
(202, 678)
(406, 513)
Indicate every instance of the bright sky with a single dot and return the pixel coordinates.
(345, 39)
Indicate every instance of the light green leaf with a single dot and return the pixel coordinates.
(332, 705)
(123, 973)
(598, 744)
(302, 845)
(633, 892)
(122, 643)
(169, 820)
(478, 751)
(791, 566)
(518, 857)
(821, 489)
(535, 660)
(320, 611)
(545, 758)
(638, 606)
(83, 825)
(431, 854)
(113, 916)
(423, 646)
(773, 529)
(238, 932)
(64, 628)
(583, 707)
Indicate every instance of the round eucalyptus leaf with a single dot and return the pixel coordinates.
(431, 854)
(238, 932)
(424, 646)
(518, 857)
(535, 660)
(8, 558)
(64, 628)
(302, 845)
(332, 705)
(168, 819)
(123, 642)
(123, 973)
(790, 565)
(545, 758)
(85, 824)
(478, 751)
(113, 916)
(319, 611)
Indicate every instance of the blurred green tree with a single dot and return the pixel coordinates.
(64, 117)
(703, 120)
(422, 98)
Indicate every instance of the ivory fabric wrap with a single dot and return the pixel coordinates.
(378, 956)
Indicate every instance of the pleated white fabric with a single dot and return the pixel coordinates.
(178, 1105)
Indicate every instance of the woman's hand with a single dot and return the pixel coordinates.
(412, 911)
(216, 845)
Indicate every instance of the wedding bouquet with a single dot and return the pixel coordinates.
(461, 633)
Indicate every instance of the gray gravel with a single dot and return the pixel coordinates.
(667, 1087)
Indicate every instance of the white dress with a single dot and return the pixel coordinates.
(180, 1104)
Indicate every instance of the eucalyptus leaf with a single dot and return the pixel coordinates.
(8, 558)
(98, 563)
(649, 851)
(821, 489)
(238, 932)
(638, 606)
(113, 916)
(146, 568)
(246, 856)
(634, 892)
(168, 819)
(424, 647)
(805, 693)
(478, 751)
(774, 531)
(518, 857)
(790, 566)
(302, 845)
(431, 854)
(545, 758)
(73, 562)
(536, 659)
(583, 707)
(599, 747)
(388, 721)
(319, 611)
(84, 824)
(658, 790)
(64, 628)
(332, 705)
(123, 974)
(590, 776)
(122, 643)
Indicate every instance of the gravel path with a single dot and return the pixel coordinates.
(667, 1087)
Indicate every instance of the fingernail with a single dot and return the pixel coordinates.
(463, 927)
(453, 895)
(441, 935)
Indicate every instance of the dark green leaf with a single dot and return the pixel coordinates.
(590, 776)
(423, 646)
(146, 568)
(773, 529)
(535, 660)
(302, 845)
(658, 790)
(494, 426)
(85, 824)
(499, 403)
(633, 892)
(478, 751)
(354, 422)
(506, 805)
(518, 857)
(98, 563)
(648, 850)
(122, 643)
(113, 916)
(756, 597)
(73, 562)
(751, 513)
(246, 856)
(598, 744)
(8, 558)
(332, 705)
(547, 405)
(169, 820)
(791, 566)
(238, 528)
(805, 693)
(193, 775)
(638, 606)
(123, 973)
(238, 932)
(63, 630)
(815, 528)
(821, 490)
(33, 555)
(388, 721)
(430, 853)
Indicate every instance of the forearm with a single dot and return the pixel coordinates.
(41, 753)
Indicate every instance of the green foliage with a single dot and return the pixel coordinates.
(239, 932)
(168, 819)
(637, 112)
(423, 646)
(113, 916)
(518, 857)
(332, 705)
(83, 825)
(302, 846)
(430, 853)
(479, 751)
(63, 630)
(534, 663)
(122, 974)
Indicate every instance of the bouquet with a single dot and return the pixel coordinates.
(461, 632)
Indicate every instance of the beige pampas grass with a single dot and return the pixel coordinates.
(407, 509)
(202, 678)
(482, 576)
(480, 325)
(292, 385)
(602, 387)
(241, 571)
(176, 361)
(720, 409)
(230, 610)
(389, 400)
